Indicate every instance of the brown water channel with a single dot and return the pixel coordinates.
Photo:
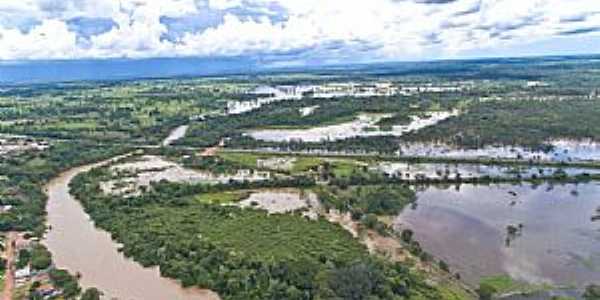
(79, 247)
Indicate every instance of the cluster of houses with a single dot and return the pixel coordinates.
(10, 144)
(25, 277)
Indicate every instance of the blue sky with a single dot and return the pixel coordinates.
(296, 32)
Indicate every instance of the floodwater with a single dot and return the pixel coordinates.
(79, 247)
(564, 151)
(411, 171)
(175, 135)
(363, 125)
(559, 243)
(240, 107)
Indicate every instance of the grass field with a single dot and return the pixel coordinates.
(221, 197)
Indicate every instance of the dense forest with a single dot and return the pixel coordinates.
(23, 175)
(528, 123)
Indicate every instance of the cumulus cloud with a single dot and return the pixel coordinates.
(291, 29)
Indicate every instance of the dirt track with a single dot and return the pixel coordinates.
(9, 280)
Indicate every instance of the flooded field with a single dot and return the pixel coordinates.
(412, 171)
(142, 171)
(240, 107)
(283, 93)
(363, 125)
(553, 240)
(563, 151)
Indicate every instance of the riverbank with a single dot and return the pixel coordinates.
(78, 246)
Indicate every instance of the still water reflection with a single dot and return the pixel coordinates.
(467, 227)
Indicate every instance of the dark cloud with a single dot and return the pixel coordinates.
(435, 1)
(581, 30)
(432, 38)
(471, 10)
(211, 18)
(53, 6)
(452, 24)
(502, 30)
(12, 19)
(194, 23)
(57, 8)
(86, 27)
(574, 19)
(428, 1)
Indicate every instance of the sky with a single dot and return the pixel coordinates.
(296, 32)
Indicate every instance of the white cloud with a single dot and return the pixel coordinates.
(224, 4)
(375, 29)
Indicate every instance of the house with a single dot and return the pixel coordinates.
(23, 273)
(5, 208)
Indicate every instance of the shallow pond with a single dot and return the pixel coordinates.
(467, 227)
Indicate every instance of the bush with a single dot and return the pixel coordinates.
(592, 292)
(23, 259)
(486, 291)
(41, 258)
(370, 221)
(444, 266)
(65, 281)
(406, 235)
(91, 294)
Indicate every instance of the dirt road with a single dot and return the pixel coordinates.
(9, 278)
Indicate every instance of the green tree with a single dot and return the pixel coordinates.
(406, 235)
(486, 291)
(592, 292)
(40, 258)
(356, 282)
(91, 294)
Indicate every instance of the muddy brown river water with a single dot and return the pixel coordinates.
(79, 247)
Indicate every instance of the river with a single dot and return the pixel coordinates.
(79, 247)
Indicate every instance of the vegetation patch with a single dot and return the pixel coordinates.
(504, 284)
(222, 197)
(245, 253)
(528, 123)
